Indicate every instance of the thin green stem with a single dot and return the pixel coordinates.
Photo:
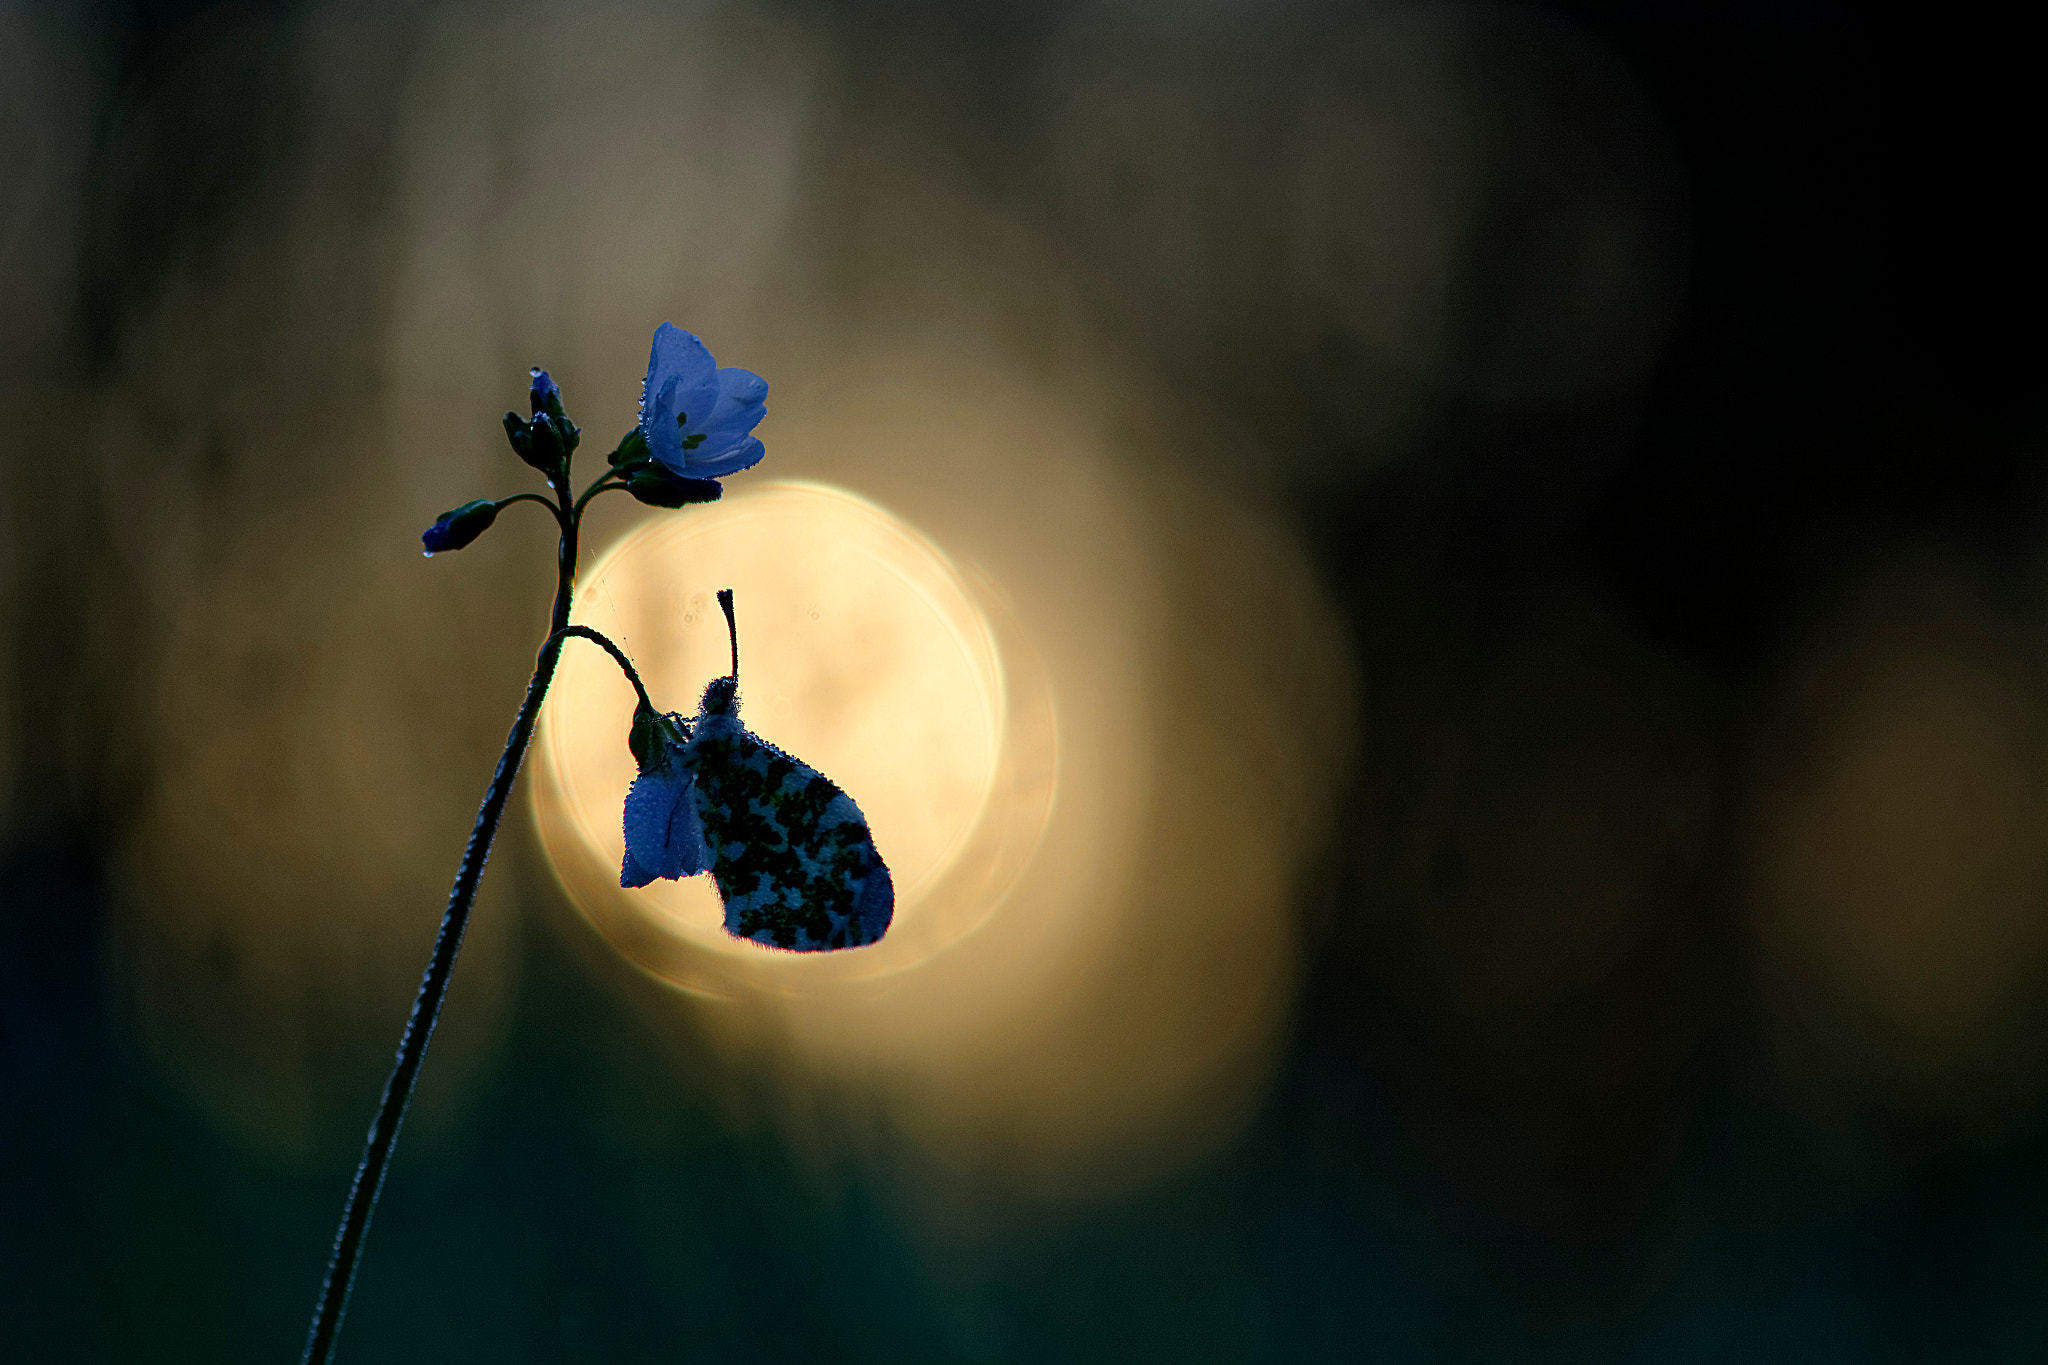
(553, 505)
(426, 1009)
(603, 485)
(618, 656)
(610, 472)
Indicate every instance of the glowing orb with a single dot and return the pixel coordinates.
(864, 652)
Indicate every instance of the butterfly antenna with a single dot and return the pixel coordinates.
(732, 630)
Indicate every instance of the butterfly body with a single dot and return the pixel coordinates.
(791, 852)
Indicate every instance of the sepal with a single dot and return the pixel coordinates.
(548, 440)
(520, 433)
(552, 438)
(655, 486)
(652, 735)
(631, 449)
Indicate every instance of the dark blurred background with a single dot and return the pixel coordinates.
(1652, 393)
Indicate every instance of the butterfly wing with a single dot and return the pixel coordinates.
(790, 851)
(664, 837)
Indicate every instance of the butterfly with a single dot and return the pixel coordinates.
(791, 852)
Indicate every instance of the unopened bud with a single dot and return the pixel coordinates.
(453, 530)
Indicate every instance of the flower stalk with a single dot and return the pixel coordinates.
(426, 1009)
(669, 472)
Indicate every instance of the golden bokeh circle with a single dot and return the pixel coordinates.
(864, 652)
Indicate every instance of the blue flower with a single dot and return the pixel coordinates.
(664, 833)
(698, 419)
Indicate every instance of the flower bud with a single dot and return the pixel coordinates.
(546, 439)
(545, 396)
(453, 530)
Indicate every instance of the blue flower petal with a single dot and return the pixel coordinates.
(728, 444)
(682, 380)
(745, 455)
(742, 399)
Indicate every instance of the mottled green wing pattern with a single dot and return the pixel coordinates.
(790, 851)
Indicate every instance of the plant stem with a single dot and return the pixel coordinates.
(618, 657)
(551, 504)
(602, 485)
(426, 1008)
